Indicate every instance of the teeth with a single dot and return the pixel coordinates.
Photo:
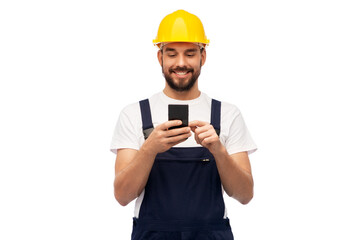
(181, 73)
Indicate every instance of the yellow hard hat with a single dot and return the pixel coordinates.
(181, 26)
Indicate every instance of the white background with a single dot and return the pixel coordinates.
(67, 68)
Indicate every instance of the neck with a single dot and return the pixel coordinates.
(193, 93)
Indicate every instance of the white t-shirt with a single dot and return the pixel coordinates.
(234, 134)
(128, 132)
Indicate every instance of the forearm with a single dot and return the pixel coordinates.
(130, 182)
(132, 176)
(237, 182)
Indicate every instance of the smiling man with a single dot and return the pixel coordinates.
(178, 175)
(186, 75)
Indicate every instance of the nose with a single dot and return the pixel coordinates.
(181, 61)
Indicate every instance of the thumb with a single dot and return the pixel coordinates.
(193, 128)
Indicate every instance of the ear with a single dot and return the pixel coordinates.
(203, 57)
(159, 56)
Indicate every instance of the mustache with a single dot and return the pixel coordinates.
(181, 69)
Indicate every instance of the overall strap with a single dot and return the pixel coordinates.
(216, 115)
(147, 124)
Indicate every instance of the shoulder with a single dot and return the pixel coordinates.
(131, 110)
(156, 99)
(229, 109)
(134, 107)
(230, 117)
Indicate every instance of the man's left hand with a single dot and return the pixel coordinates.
(205, 135)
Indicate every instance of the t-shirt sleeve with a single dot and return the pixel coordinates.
(238, 136)
(127, 132)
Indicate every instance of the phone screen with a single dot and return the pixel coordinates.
(179, 112)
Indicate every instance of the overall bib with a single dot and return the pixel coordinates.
(183, 197)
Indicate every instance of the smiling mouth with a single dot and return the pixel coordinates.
(181, 73)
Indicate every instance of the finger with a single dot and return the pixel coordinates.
(169, 124)
(196, 137)
(193, 129)
(205, 135)
(175, 143)
(178, 138)
(197, 123)
(177, 131)
(209, 140)
(205, 128)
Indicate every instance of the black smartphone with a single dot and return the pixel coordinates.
(179, 112)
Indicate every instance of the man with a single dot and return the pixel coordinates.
(178, 175)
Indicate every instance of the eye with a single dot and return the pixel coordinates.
(190, 55)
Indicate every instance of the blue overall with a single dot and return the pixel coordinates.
(183, 197)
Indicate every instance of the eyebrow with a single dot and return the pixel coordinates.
(169, 50)
(191, 50)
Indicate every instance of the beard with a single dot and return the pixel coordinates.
(181, 87)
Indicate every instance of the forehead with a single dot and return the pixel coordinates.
(181, 46)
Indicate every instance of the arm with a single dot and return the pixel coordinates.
(235, 174)
(234, 170)
(132, 167)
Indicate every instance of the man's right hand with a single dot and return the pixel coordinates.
(161, 139)
(133, 167)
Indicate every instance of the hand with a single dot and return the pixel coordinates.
(161, 139)
(205, 135)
